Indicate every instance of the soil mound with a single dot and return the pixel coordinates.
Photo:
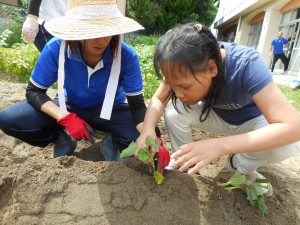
(84, 189)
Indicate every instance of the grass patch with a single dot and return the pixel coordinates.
(292, 95)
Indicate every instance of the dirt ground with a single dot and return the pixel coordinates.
(83, 189)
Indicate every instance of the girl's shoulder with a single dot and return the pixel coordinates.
(128, 51)
(127, 48)
(51, 49)
(237, 51)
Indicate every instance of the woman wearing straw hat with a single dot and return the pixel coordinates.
(95, 73)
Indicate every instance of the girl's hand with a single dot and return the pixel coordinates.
(141, 141)
(196, 155)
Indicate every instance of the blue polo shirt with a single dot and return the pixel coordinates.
(278, 45)
(246, 73)
(84, 86)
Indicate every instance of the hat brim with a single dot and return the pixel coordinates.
(74, 29)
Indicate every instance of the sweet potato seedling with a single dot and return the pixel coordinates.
(147, 155)
(254, 191)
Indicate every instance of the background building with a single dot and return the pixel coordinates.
(255, 23)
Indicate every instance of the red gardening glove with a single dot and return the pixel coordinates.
(163, 157)
(76, 127)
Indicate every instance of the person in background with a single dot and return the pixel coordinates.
(39, 12)
(276, 49)
(96, 74)
(223, 89)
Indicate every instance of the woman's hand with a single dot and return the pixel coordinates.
(76, 127)
(198, 154)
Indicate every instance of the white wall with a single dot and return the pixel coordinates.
(229, 8)
(226, 6)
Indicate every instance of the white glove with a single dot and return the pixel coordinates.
(30, 29)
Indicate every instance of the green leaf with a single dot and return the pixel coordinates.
(156, 146)
(144, 154)
(231, 188)
(149, 140)
(237, 181)
(255, 191)
(260, 188)
(129, 151)
(158, 177)
(251, 193)
(262, 204)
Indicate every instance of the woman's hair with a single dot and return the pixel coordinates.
(113, 45)
(190, 45)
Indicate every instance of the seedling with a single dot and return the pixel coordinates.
(254, 191)
(147, 155)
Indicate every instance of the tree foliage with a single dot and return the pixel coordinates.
(207, 11)
(157, 16)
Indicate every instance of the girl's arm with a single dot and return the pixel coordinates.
(283, 127)
(154, 112)
(156, 107)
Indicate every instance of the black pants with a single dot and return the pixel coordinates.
(283, 59)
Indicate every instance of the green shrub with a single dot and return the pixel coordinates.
(292, 95)
(14, 24)
(19, 60)
(134, 39)
(144, 46)
(145, 12)
(4, 38)
(151, 82)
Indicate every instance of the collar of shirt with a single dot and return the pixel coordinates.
(107, 58)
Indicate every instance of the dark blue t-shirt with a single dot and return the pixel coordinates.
(246, 73)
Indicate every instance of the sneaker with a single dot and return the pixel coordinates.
(63, 145)
(109, 150)
(250, 178)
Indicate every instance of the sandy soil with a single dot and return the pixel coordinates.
(84, 189)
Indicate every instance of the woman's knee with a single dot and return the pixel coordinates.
(6, 118)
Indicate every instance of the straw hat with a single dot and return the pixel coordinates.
(91, 19)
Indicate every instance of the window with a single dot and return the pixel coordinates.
(291, 15)
(254, 34)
